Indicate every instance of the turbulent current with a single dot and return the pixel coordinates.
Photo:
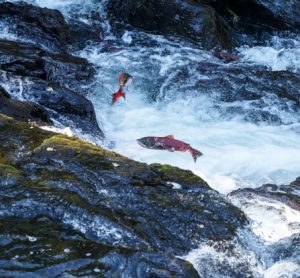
(241, 148)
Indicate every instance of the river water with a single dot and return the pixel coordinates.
(238, 153)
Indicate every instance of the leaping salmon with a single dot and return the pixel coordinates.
(124, 79)
(168, 143)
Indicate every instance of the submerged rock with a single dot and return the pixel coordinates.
(114, 220)
(280, 207)
(188, 19)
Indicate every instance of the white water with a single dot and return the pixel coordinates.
(236, 153)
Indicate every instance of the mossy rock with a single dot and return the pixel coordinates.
(100, 198)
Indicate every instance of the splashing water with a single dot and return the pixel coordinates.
(236, 153)
(164, 99)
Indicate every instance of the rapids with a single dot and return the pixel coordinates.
(164, 99)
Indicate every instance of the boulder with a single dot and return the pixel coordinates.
(258, 19)
(28, 60)
(44, 27)
(194, 21)
(95, 211)
(55, 81)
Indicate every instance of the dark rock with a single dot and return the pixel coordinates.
(82, 33)
(94, 201)
(280, 14)
(22, 111)
(249, 92)
(64, 105)
(254, 21)
(42, 26)
(54, 81)
(287, 194)
(30, 61)
(184, 18)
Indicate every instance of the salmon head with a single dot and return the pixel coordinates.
(125, 79)
(147, 142)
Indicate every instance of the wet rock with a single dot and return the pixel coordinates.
(82, 33)
(280, 207)
(113, 220)
(27, 60)
(42, 26)
(22, 111)
(188, 19)
(250, 93)
(254, 21)
(54, 81)
(286, 194)
(281, 14)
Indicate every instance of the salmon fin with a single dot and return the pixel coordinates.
(117, 95)
(195, 153)
(170, 136)
(171, 149)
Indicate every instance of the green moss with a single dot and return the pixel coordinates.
(18, 136)
(8, 170)
(175, 174)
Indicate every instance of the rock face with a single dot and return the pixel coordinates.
(52, 80)
(96, 210)
(22, 111)
(258, 18)
(281, 14)
(44, 72)
(194, 21)
(42, 26)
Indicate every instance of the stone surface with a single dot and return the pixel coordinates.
(195, 21)
(124, 213)
(23, 111)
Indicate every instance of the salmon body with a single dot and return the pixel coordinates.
(117, 95)
(168, 143)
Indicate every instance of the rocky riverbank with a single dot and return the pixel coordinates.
(71, 208)
(107, 211)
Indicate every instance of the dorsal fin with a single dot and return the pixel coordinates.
(170, 136)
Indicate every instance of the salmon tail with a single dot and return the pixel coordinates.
(117, 95)
(195, 153)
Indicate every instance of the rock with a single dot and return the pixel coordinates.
(126, 218)
(286, 194)
(258, 18)
(280, 206)
(27, 60)
(82, 33)
(244, 91)
(23, 111)
(42, 26)
(188, 19)
(54, 81)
